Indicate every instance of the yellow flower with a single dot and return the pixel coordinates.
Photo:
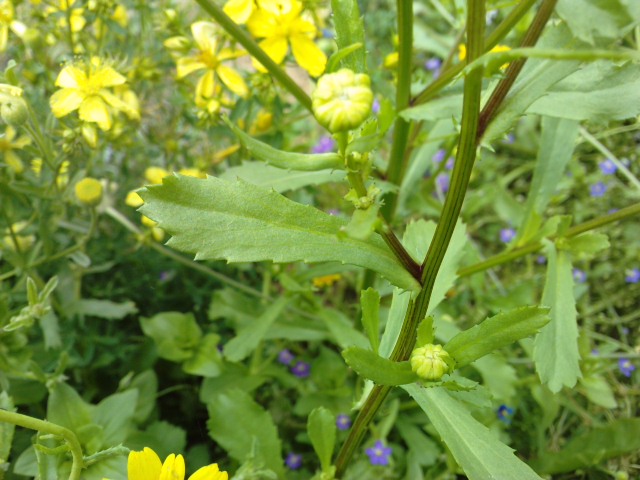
(462, 52)
(86, 90)
(15, 242)
(326, 280)
(146, 465)
(209, 58)
(280, 24)
(78, 21)
(7, 22)
(239, 10)
(192, 172)
(63, 174)
(133, 199)
(8, 144)
(88, 191)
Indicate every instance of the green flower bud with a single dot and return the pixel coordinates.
(430, 362)
(342, 100)
(13, 110)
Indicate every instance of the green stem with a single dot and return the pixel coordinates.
(255, 51)
(397, 159)
(496, 36)
(444, 230)
(533, 247)
(515, 67)
(53, 429)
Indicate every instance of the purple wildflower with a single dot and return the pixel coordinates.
(301, 369)
(285, 357)
(325, 144)
(608, 167)
(379, 454)
(442, 181)
(343, 422)
(504, 414)
(626, 367)
(449, 164)
(507, 234)
(166, 276)
(433, 64)
(541, 260)
(375, 107)
(293, 460)
(439, 156)
(595, 352)
(511, 138)
(633, 276)
(598, 190)
(579, 276)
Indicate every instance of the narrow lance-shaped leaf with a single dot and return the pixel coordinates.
(556, 352)
(308, 162)
(378, 369)
(349, 31)
(321, 427)
(496, 332)
(370, 302)
(480, 454)
(240, 222)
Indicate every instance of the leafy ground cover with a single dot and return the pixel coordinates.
(300, 239)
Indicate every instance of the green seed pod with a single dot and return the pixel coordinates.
(430, 362)
(13, 110)
(342, 100)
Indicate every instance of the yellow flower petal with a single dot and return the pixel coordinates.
(210, 472)
(65, 101)
(154, 175)
(145, 465)
(71, 77)
(94, 109)
(106, 76)
(262, 24)
(277, 7)
(133, 199)
(308, 55)
(205, 35)
(206, 86)
(275, 47)
(118, 104)
(173, 468)
(233, 80)
(187, 65)
(239, 10)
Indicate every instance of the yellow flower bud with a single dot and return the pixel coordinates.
(342, 100)
(133, 199)
(154, 175)
(192, 172)
(430, 362)
(147, 222)
(89, 191)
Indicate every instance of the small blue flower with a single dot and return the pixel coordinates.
(511, 138)
(293, 460)
(626, 367)
(325, 144)
(442, 181)
(433, 64)
(507, 234)
(450, 162)
(633, 276)
(579, 276)
(439, 156)
(379, 454)
(541, 260)
(598, 190)
(505, 414)
(285, 357)
(343, 422)
(375, 107)
(301, 369)
(608, 167)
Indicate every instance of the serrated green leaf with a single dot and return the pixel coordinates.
(556, 354)
(370, 304)
(308, 162)
(592, 20)
(205, 360)
(339, 56)
(240, 222)
(381, 370)
(496, 332)
(617, 438)
(349, 31)
(162, 437)
(248, 338)
(584, 246)
(176, 334)
(426, 333)
(557, 142)
(612, 92)
(480, 454)
(363, 223)
(321, 427)
(242, 427)
(267, 176)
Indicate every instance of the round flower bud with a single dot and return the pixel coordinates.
(430, 362)
(342, 100)
(13, 110)
(89, 191)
